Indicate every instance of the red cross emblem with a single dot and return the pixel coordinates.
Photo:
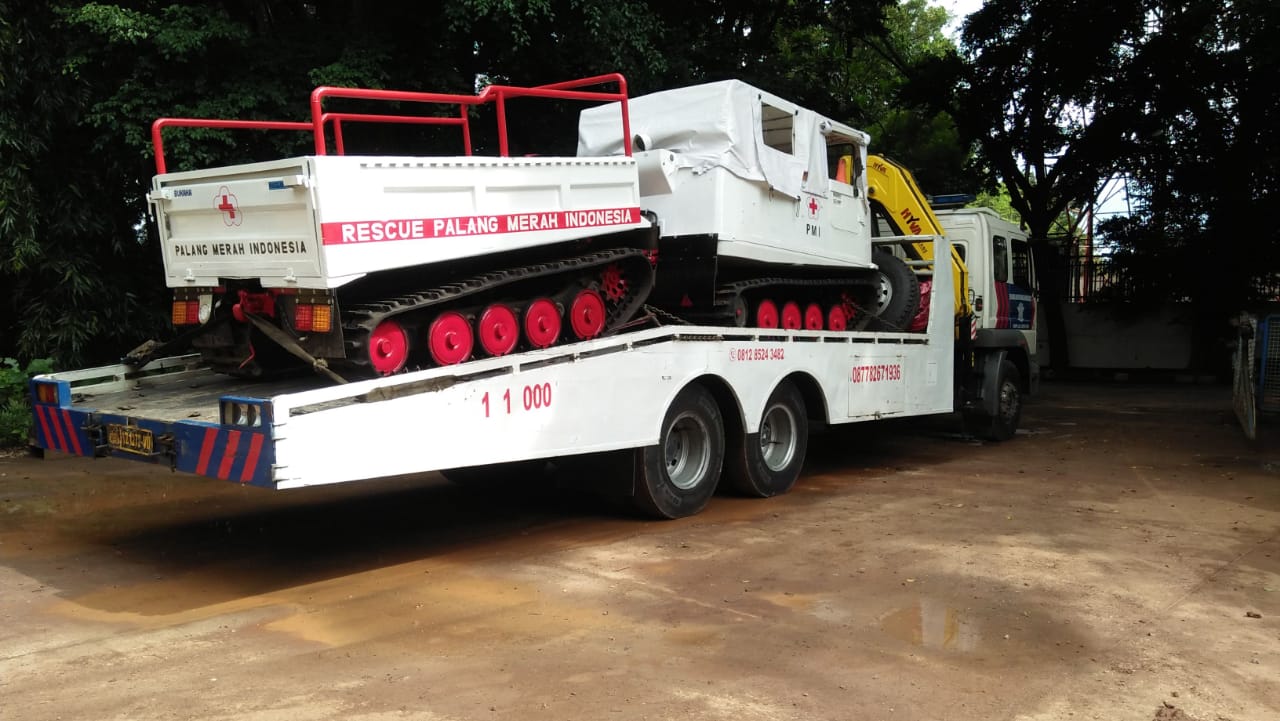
(225, 201)
(813, 207)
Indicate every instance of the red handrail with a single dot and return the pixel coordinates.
(337, 119)
(497, 94)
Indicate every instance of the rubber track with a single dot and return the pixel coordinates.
(359, 320)
(728, 292)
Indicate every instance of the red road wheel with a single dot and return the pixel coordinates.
(837, 319)
(450, 338)
(542, 323)
(587, 314)
(766, 314)
(388, 347)
(791, 317)
(499, 329)
(813, 317)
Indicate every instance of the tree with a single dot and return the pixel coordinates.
(80, 83)
(69, 250)
(1206, 171)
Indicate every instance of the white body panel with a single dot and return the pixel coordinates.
(320, 222)
(747, 167)
(600, 395)
(755, 223)
(1005, 304)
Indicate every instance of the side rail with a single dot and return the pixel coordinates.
(496, 94)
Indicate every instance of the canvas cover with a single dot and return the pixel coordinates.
(719, 125)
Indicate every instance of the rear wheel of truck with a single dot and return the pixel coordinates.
(677, 477)
(1004, 423)
(767, 463)
(897, 294)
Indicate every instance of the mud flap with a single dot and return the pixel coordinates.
(611, 474)
(990, 390)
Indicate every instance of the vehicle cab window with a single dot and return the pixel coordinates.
(1023, 273)
(999, 259)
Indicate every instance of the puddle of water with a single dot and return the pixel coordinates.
(932, 624)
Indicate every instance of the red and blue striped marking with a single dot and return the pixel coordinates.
(227, 454)
(242, 455)
(56, 430)
(1015, 307)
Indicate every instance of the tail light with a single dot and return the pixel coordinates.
(186, 312)
(47, 392)
(189, 310)
(313, 317)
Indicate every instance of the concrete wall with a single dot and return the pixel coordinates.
(1119, 337)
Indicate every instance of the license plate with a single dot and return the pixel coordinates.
(131, 439)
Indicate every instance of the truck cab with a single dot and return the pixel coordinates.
(1002, 283)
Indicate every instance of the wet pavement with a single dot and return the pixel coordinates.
(1101, 565)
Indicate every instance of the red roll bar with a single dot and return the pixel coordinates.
(496, 94)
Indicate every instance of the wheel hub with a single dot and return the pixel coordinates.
(837, 319)
(778, 437)
(499, 330)
(388, 347)
(587, 314)
(687, 451)
(767, 314)
(542, 323)
(450, 338)
(791, 318)
(813, 317)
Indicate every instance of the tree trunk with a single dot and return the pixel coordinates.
(1052, 270)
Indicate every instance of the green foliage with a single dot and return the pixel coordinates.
(81, 82)
(998, 200)
(15, 410)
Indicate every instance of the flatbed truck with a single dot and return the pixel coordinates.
(731, 395)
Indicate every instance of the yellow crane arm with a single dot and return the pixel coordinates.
(892, 187)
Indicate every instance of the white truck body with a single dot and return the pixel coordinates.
(736, 178)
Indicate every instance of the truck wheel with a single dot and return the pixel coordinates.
(1004, 424)
(678, 475)
(897, 294)
(767, 463)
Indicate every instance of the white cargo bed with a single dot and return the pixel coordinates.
(322, 221)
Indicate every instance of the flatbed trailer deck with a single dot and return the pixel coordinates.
(601, 395)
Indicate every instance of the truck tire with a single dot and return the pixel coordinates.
(897, 294)
(768, 462)
(1004, 423)
(677, 477)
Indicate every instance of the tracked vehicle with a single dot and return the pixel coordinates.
(715, 204)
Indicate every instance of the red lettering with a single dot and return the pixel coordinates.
(876, 373)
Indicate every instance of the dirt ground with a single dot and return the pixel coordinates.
(1119, 559)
